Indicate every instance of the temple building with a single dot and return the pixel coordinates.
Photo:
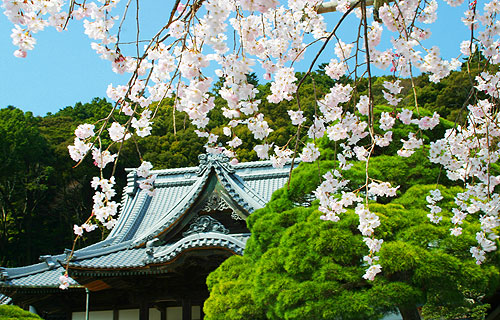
(154, 263)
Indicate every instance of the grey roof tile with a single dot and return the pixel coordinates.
(161, 204)
(46, 278)
(124, 258)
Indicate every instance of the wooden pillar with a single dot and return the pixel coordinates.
(163, 313)
(186, 309)
(144, 311)
(116, 314)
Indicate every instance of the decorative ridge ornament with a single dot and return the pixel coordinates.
(150, 247)
(215, 203)
(214, 160)
(4, 275)
(132, 185)
(49, 260)
(205, 224)
(69, 255)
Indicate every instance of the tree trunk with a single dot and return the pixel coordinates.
(409, 312)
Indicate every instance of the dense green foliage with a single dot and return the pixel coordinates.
(14, 312)
(296, 266)
(26, 174)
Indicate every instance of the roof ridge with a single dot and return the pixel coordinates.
(220, 157)
(198, 240)
(167, 171)
(101, 251)
(48, 263)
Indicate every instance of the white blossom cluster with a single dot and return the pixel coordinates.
(335, 69)
(382, 189)
(147, 183)
(374, 268)
(393, 89)
(410, 145)
(467, 154)
(310, 153)
(434, 197)
(330, 204)
(282, 156)
(80, 148)
(104, 210)
(334, 202)
(28, 18)
(368, 221)
(64, 282)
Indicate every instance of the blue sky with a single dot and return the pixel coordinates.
(63, 69)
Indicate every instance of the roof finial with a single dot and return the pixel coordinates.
(49, 260)
(214, 160)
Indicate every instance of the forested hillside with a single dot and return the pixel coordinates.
(42, 195)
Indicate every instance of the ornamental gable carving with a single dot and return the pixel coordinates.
(205, 224)
(215, 203)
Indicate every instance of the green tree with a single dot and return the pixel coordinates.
(25, 172)
(296, 266)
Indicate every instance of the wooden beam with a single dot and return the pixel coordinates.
(97, 285)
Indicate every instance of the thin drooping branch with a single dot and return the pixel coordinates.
(323, 48)
(331, 6)
(297, 95)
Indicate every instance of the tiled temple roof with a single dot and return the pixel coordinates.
(135, 240)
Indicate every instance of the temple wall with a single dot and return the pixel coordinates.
(129, 314)
(173, 313)
(93, 315)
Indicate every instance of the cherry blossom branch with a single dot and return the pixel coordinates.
(331, 6)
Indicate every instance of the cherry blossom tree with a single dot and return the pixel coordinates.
(237, 37)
